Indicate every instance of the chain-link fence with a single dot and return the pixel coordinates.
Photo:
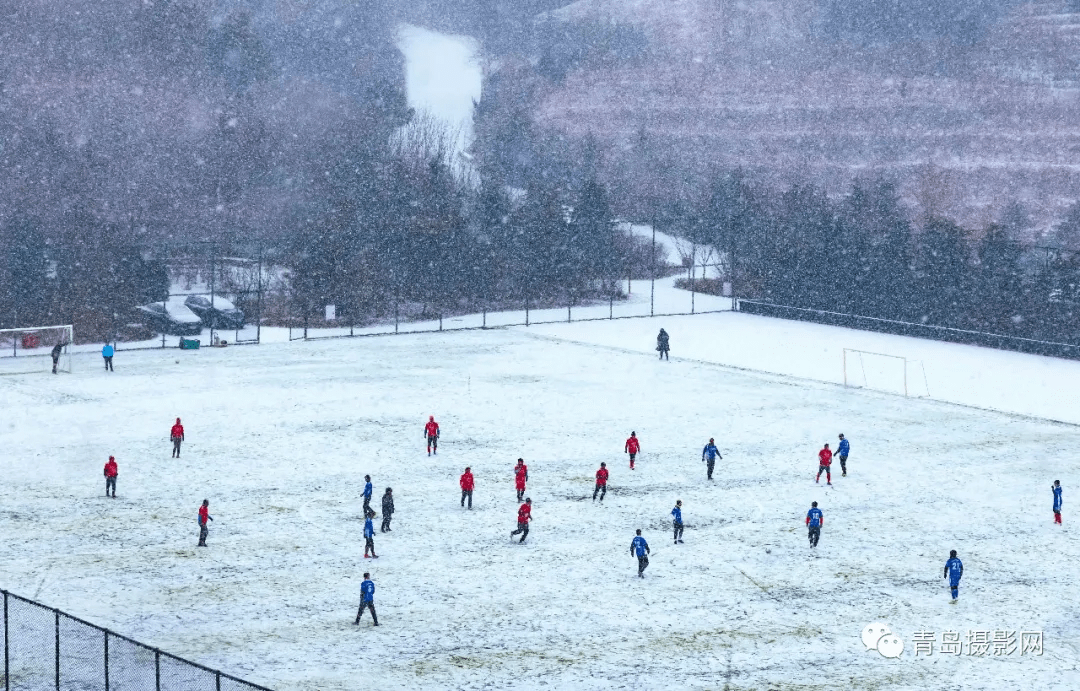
(669, 291)
(45, 648)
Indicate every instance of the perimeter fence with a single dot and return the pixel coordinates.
(698, 289)
(46, 649)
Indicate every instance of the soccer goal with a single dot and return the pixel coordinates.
(880, 372)
(28, 351)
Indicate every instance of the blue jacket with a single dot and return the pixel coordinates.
(677, 513)
(1057, 499)
(639, 546)
(107, 351)
(844, 448)
(367, 591)
(954, 569)
(814, 515)
(367, 490)
(369, 528)
(711, 451)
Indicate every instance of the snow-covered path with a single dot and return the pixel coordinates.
(281, 435)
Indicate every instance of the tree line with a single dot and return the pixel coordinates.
(862, 255)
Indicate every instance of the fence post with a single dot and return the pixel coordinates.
(217, 680)
(484, 323)
(440, 321)
(56, 613)
(7, 674)
(106, 660)
(157, 670)
(526, 310)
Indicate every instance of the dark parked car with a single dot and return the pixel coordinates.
(171, 318)
(221, 315)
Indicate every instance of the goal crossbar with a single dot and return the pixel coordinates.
(904, 363)
(20, 359)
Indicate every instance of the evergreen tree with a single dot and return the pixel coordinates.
(945, 276)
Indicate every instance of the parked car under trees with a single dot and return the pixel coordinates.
(171, 317)
(221, 314)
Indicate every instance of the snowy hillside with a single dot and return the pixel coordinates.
(280, 436)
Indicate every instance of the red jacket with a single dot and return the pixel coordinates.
(431, 429)
(521, 474)
(467, 481)
(110, 468)
(632, 445)
(525, 513)
(825, 456)
(601, 476)
(177, 431)
(204, 515)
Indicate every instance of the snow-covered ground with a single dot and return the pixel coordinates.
(443, 77)
(280, 436)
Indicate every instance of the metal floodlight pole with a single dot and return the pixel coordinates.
(213, 320)
(693, 254)
(165, 310)
(652, 272)
(258, 299)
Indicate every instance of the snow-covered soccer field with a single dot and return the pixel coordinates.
(280, 437)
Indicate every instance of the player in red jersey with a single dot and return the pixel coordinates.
(431, 431)
(824, 464)
(524, 516)
(633, 446)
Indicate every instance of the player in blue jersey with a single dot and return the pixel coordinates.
(709, 455)
(954, 569)
(367, 494)
(842, 451)
(640, 549)
(369, 535)
(1056, 489)
(677, 514)
(814, 521)
(367, 599)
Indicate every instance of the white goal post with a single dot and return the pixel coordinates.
(881, 372)
(29, 350)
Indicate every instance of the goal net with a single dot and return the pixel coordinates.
(27, 351)
(881, 372)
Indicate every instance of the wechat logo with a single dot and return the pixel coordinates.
(878, 636)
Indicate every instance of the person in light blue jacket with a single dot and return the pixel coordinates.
(842, 451)
(107, 353)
